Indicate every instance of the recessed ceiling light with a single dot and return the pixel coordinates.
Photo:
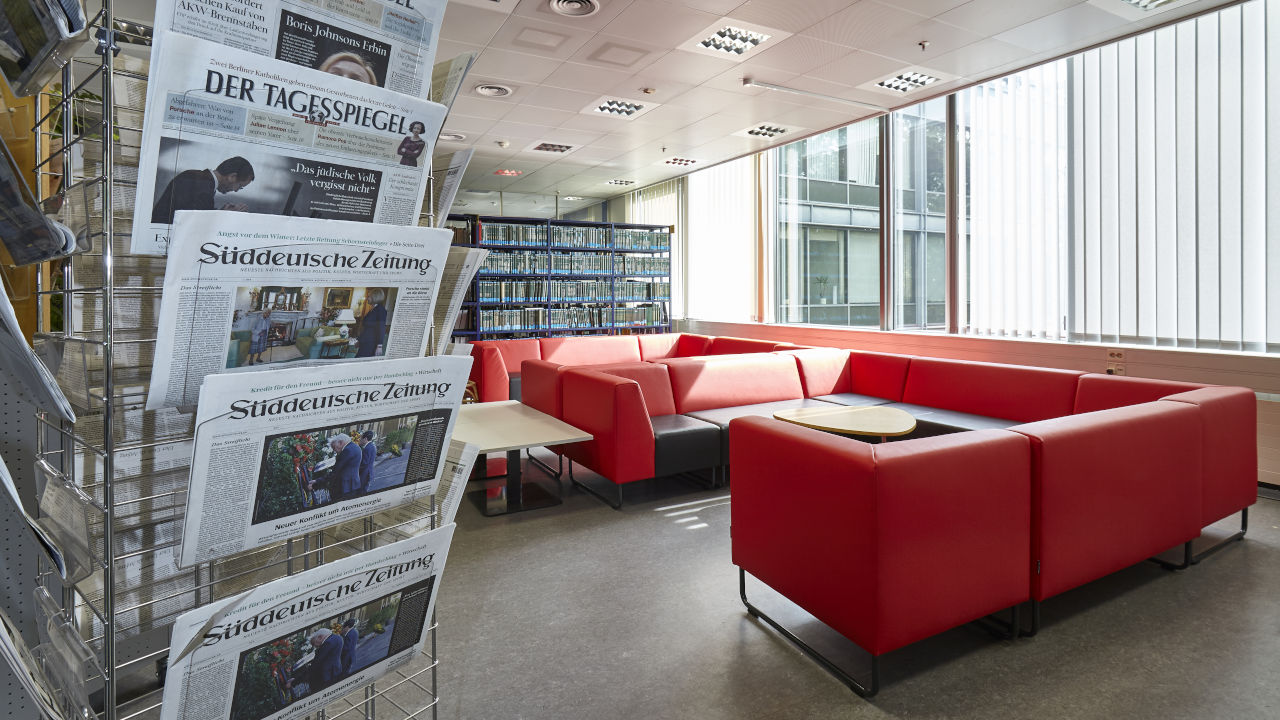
(508, 173)
(621, 108)
(767, 131)
(574, 8)
(452, 137)
(572, 198)
(622, 182)
(492, 90)
(552, 147)
(733, 40)
(1148, 4)
(682, 162)
(907, 81)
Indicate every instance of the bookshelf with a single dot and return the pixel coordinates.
(547, 278)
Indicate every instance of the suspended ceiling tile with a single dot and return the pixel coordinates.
(905, 45)
(863, 24)
(512, 131)
(686, 67)
(619, 53)
(545, 39)
(503, 6)
(673, 116)
(715, 7)
(541, 10)
(706, 100)
(659, 22)
(712, 128)
(597, 154)
(929, 8)
(569, 136)
(558, 98)
(1064, 28)
(594, 122)
(449, 49)
(730, 81)
(790, 15)
(634, 85)
(991, 17)
(856, 68)
(481, 107)
(799, 54)
(467, 125)
(514, 66)
(587, 78)
(469, 24)
(978, 59)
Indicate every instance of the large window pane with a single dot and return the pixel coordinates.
(827, 269)
(919, 181)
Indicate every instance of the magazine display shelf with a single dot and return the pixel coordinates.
(98, 332)
(560, 277)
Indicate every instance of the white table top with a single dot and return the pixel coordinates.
(511, 425)
(873, 420)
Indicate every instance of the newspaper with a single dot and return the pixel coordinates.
(24, 374)
(235, 131)
(461, 267)
(277, 651)
(447, 77)
(37, 37)
(283, 453)
(41, 536)
(387, 43)
(446, 177)
(27, 670)
(244, 291)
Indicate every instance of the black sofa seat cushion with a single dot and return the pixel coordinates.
(722, 416)
(682, 444)
(935, 421)
(853, 399)
(513, 385)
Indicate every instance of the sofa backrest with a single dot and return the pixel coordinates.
(669, 345)
(655, 384)
(1010, 392)
(1229, 422)
(823, 371)
(591, 350)
(1102, 392)
(879, 374)
(737, 346)
(719, 382)
(512, 352)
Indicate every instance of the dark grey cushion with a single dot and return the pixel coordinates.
(935, 421)
(682, 443)
(853, 399)
(514, 385)
(722, 416)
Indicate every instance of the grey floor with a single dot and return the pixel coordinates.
(581, 611)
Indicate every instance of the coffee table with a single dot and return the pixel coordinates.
(511, 426)
(875, 420)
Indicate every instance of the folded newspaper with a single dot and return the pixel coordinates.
(19, 512)
(283, 453)
(292, 646)
(242, 292)
(24, 373)
(231, 130)
(388, 43)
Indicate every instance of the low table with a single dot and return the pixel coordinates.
(337, 344)
(511, 426)
(874, 420)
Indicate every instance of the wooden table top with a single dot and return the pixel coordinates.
(511, 425)
(873, 420)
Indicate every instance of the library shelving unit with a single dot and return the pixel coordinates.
(546, 278)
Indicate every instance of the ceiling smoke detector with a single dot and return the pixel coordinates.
(574, 8)
(492, 90)
(452, 136)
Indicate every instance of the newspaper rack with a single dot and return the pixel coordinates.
(97, 332)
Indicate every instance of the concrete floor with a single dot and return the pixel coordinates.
(581, 611)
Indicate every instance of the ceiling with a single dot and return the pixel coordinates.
(559, 67)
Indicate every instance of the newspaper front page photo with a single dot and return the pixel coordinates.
(292, 646)
(287, 452)
(251, 292)
(231, 130)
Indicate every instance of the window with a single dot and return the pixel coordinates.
(721, 256)
(919, 191)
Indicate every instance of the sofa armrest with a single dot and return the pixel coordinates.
(612, 409)
(540, 386)
(490, 373)
(1229, 419)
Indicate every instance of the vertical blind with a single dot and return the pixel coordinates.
(1130, 193)
(663, 204)
(721, 262)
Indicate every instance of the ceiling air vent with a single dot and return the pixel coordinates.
(574, 8)
(492, 90)
(907, 81)
(452, 136)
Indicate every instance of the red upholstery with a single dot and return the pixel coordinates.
(591, 350)
(654, 381)
(669, 345)
(540, 386)
(880, 374)
(888, 544)
(1111, 489)
(1102, 392)
(495, 361)
(735, 346)
(612, 409)
(1011, 392)
(823, 371)
(1230, 426)
(720, 382)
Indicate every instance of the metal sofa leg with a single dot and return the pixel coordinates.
(1035, 621)
(866, 691)
(1236, 536)
(599, 496)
